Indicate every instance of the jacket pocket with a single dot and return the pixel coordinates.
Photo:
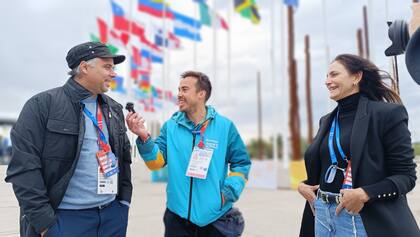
(62, 127)
(60, 140)
(221, 194)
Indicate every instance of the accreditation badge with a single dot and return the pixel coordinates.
(107, 185)
(199, 163)
(107, 173)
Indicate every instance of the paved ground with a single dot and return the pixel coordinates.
(268, 213)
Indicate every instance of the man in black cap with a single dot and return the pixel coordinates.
(70, 165)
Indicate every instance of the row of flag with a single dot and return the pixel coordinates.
(145, 47)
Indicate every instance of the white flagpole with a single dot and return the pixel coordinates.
(213, 22)
(130, 81)
(390, 59)
(164, 32)
(229, 63)
(326, 43)
(273, 77)
(284, 90)
(195, 41)
(325, 29)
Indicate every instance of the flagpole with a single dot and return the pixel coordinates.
(213, 21)
(195, 40)
(370, 23)
(164, 58)
(130, 81)
(326, 42)
(130, 93)
(229, 65)
(284, 91)
(274, 103)
(390, 59)
(325, 29)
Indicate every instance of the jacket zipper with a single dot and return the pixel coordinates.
(191, 185)
(80, 138)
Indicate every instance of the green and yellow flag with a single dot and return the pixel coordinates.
(248, 9)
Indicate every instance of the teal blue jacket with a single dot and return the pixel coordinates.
(201, 201)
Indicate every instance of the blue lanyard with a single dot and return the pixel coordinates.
(95, 122)
(335, 127)
(332, 170)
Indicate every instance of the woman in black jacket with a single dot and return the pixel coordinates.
(360, 165)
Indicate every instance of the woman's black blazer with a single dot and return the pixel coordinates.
(380, 148)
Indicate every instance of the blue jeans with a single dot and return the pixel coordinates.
(327, 224)
(110, 221)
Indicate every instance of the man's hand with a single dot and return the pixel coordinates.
(353, 200)
(136, 125)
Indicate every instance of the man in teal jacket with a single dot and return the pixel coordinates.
(198, 145)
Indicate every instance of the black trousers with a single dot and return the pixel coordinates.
(175, 226)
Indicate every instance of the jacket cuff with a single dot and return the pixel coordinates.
(44, 220)
(228, 195)
(145, 147)
(383, 190)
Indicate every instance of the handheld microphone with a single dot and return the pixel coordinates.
(130, 107)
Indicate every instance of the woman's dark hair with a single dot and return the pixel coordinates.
(372, 83)
(203, 82)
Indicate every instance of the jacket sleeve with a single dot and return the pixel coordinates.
(152, 151)
(25, 168)
(313, 166)
(126, 184)
(240, 163)
(399, 157)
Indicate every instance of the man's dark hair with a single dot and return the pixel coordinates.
(203, 81)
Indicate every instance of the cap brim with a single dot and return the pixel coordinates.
(412, 59)
(118, 59)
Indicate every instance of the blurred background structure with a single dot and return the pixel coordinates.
(267, 60)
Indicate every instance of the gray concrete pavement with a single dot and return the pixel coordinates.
(268, 213)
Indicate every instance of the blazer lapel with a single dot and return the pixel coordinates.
(358, 135)
(312, 153)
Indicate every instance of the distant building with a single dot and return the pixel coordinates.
(5, 142)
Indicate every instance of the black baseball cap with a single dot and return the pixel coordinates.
(90, 50)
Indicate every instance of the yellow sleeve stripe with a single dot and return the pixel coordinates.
(156, 164)
(238, 174)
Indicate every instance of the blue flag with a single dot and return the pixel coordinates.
(187, 27)
(293, 3)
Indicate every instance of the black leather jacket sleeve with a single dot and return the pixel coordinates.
(126, 185)
(24, 170)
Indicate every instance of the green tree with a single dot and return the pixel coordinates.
(416, 146)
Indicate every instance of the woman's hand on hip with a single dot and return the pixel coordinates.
(353, 200)
(308, 191)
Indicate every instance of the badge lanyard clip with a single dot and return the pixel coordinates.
(332, 169)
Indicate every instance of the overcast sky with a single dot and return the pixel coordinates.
(36, 36)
